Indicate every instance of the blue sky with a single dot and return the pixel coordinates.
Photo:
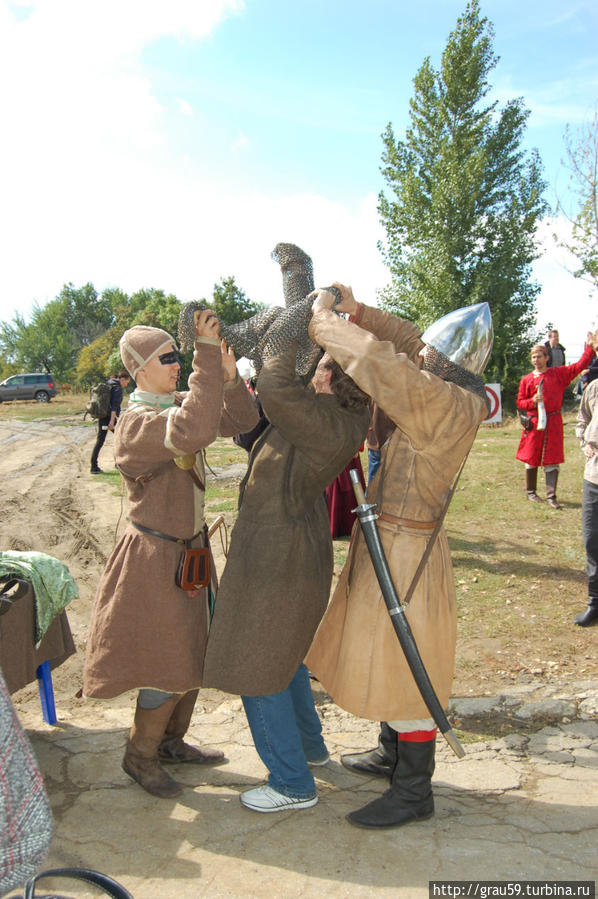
(172, 144)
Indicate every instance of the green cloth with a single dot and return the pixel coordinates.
(161, 400)
(52, 582)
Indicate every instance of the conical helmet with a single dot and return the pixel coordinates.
(464, 336)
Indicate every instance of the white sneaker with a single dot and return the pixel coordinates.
(315, 763)
(266, 799)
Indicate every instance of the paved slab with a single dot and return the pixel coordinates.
(519, 807)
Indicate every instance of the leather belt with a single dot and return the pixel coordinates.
(180, 540)
(408, 522)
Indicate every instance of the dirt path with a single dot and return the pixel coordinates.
(52, 504)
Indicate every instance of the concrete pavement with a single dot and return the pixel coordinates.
(521, 806)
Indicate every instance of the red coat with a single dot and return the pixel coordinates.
(546, 447)
(340, 500)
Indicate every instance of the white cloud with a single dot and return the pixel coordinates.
(184, 106)
(122, 25)
(84, 138)
(176, 231)
(88, 190)
(73, 67)
(566, 302)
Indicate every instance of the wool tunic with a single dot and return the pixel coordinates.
(276, 582)
(145, 631)
(546, 447)
(356, 654)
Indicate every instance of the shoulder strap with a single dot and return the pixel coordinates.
(426, 554)
(146, 477)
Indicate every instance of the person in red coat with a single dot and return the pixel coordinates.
(545, 447)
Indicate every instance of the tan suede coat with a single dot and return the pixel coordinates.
(276, 582)
(145, 631)
(356, 654)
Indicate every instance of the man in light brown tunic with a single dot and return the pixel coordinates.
(146, 633)
(355, 653)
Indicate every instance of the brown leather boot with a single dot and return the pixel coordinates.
(172, 747)
(141, 757)
(551, 482)
(531, 482)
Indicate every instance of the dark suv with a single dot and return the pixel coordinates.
(38, 386)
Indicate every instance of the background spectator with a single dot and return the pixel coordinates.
(556, 351)
(117, 385)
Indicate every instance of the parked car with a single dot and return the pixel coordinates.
(39, 386)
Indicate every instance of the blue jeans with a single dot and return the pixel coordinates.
(286, 731)
(373, 463)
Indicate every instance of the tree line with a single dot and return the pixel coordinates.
(462, 205)
(76, 335)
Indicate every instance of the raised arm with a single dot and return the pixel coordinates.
(145, 437)
(569, 372)
(304, 418)
(239, 414)
(404, 336)
(421, 404)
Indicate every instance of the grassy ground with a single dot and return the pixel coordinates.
(71, 405)
(519, 566)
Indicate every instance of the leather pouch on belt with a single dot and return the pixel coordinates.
(193, 570)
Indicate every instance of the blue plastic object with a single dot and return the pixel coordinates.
(46, 692)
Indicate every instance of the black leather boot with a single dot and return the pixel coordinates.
(590, 615)
(531, 482)
(551, 482)
(380, 761)
(410, 796)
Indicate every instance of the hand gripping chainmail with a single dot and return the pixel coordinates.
(438, 364)
(269, 332)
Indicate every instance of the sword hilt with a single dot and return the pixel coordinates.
(357, 488)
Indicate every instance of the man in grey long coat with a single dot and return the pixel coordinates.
(276, 583)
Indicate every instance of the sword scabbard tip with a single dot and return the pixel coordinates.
(454, 743)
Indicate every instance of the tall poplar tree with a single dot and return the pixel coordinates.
(464, 200)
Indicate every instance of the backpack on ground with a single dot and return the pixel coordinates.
(99, 401)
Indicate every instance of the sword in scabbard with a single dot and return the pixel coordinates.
(366, 512)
